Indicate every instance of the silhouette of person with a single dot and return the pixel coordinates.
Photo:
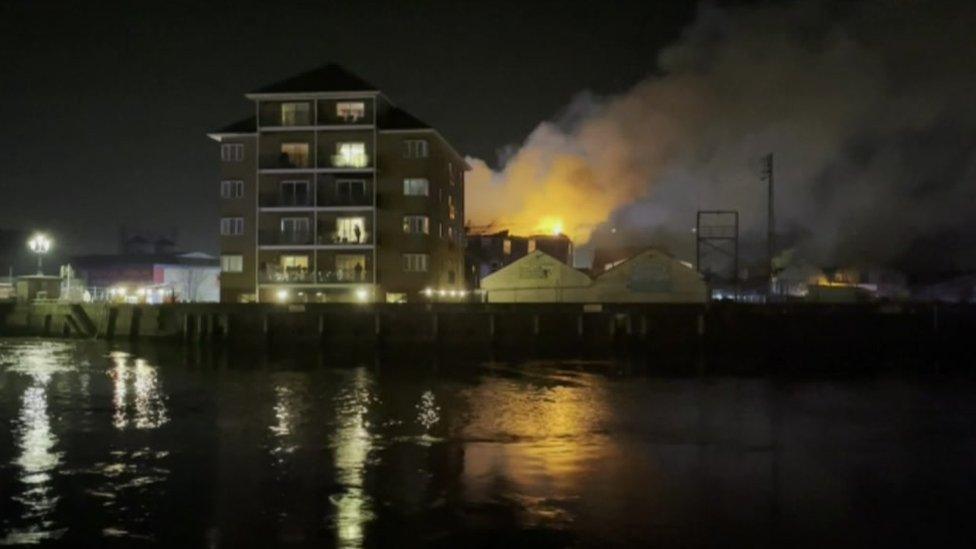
(358, 232)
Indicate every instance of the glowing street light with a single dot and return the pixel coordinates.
(39, 244)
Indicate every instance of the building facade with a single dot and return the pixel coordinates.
(489, 252)
(331, 193)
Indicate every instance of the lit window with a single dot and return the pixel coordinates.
(351, 111)
(350, 230)
(416, 224)
(350, 155)
(451, 213)
(232, 152)
(507, 247)
(350, 267)
(293, 155)
(295, 114)
(415, 263)
(295, 230)
(416, 186)
(231, 263)
(531, 245)
(293, 262)
(415, 148)
(231, 189)
(295, 193)
(232, 226)
(350, 191)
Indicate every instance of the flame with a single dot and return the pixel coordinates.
(550, 225)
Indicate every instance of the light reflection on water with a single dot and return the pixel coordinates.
(38, 458)
(143, 447)
(352, 443)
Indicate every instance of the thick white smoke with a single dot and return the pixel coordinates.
(869, 109)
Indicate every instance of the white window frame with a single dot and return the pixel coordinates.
(416, 263)
(231, 226)
(308, 113)
(348, 158)
(416, 224)
(347, 110)
(295, 183)
(412, 184)
(416, 148)
(232, 188)
(232, 152)
(350, 183)
(232, 263)
(308, 153)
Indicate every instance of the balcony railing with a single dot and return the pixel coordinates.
(277, 238)
(335, 238)
(277, 200)
(330, 199)
(337, 276)
(284, 161)
(357, 160)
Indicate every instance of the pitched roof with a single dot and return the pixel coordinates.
(248, 125)
(327, 78)
(399, 119)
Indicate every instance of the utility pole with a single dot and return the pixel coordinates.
(770, 220)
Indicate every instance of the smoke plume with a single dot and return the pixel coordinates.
(869, 109)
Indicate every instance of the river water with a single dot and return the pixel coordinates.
(116, 446)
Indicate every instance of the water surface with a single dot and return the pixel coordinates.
(124, 446)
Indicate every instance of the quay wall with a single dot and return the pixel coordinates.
(671, 328)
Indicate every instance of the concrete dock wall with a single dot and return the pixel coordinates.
(645, 328)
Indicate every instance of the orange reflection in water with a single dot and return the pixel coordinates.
(535, 443)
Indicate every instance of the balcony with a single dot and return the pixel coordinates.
(279, 238)
(337, 276)
(339, 238)
(350, 160)
(279, 200)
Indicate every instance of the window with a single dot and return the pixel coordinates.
(296, 114)
(350, 230)
(507, 247)
(232, 152)
(416, 224)
(231, 263)
(350, 191)
(293, 155)
(350, 267)
(531, 245)
(451, 212)
(415, 148)
(294, 193)
(350, 155)
(293, 262)
(232, 226)
(450, 233)
(351, 111)
(415, 263)
(416, 186)
(231, 189)
(295, 230)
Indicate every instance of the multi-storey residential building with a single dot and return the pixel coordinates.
(332, 193)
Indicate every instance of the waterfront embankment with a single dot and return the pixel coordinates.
(716, 328)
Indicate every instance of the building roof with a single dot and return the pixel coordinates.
(327, 78)
(247, 125)
(399, 119)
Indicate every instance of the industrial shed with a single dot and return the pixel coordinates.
(650, 276)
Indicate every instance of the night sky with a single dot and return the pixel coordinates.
(106, 106)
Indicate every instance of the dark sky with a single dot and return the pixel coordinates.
(105, 106)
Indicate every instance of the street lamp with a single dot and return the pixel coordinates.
(39, 244)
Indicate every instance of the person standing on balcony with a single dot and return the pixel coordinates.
(359, 269)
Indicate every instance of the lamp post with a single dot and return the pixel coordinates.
(39, 244)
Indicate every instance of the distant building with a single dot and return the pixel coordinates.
(650, 276)
(332, 193)
(150, 277)
(487, 253)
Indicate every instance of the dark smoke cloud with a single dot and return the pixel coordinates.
(869, 109)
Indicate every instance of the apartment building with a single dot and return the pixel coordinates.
(330, 192)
